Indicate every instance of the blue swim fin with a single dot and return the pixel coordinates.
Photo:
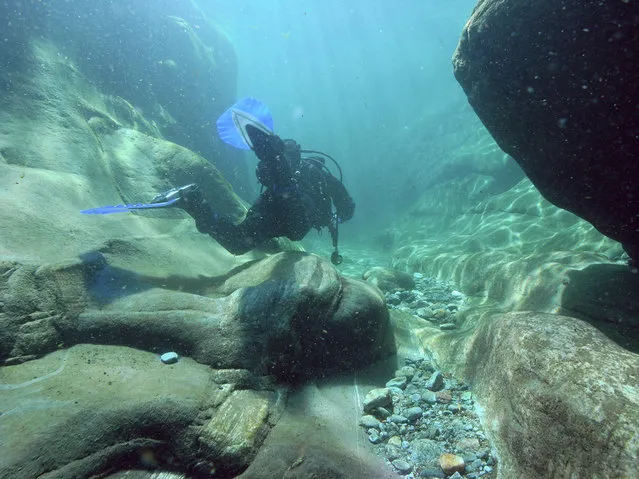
(105, 210)
(231, 125)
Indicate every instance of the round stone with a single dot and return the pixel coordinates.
(413, 413)
(369, 421)
(451, 463)
(169, 358)
(402, 467)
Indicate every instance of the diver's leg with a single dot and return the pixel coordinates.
(259, 225)
(268, 218)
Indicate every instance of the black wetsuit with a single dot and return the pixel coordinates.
(298, 195)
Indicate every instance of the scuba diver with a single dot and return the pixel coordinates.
(299, 191)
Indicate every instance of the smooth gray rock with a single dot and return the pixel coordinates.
(429, 397)
(381, 413)
(387, 280)
(402, 466)
(169, 358)
(413, 413)
(399, 382)
(398, 419)
(375, 398)
(406, 371)
(369, 421)
(373, 436)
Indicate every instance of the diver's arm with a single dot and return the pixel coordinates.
(343, 202)
(274, 171)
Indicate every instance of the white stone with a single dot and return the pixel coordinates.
(169, 358)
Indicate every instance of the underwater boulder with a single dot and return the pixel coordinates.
(290, 315)
(556, 84)
(560, 399)
(388, 279)
(108, 408)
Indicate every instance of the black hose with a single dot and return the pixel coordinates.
(341, 176)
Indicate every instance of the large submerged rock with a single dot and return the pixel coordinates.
(556, 84)
(285, 318)
(112, 407)
(560, 398)
(291, 315)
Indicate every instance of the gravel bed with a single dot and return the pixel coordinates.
(424, 423)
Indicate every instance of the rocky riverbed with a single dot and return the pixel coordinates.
(432, 299)
(425, 423)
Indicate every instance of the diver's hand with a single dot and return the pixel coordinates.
(266, 146)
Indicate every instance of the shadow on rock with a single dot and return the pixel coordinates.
(606, 296)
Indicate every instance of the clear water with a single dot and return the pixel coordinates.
(88, 304)
(368, 82)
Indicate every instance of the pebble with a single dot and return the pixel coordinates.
(443, 397)
(399, 382)
(413, 413)
(451, 463)
(439, 313)
(373, 436)
(395, 441)
(402, 467)
(392, 452)
(432, 474)
(382, 413)
(468, 444)
(474, 466)
(377, 398)
(435, 382)
(169, 358)
(424, 313)
(429, 396)
(398, 419)
(406, 371)
(369, 421)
